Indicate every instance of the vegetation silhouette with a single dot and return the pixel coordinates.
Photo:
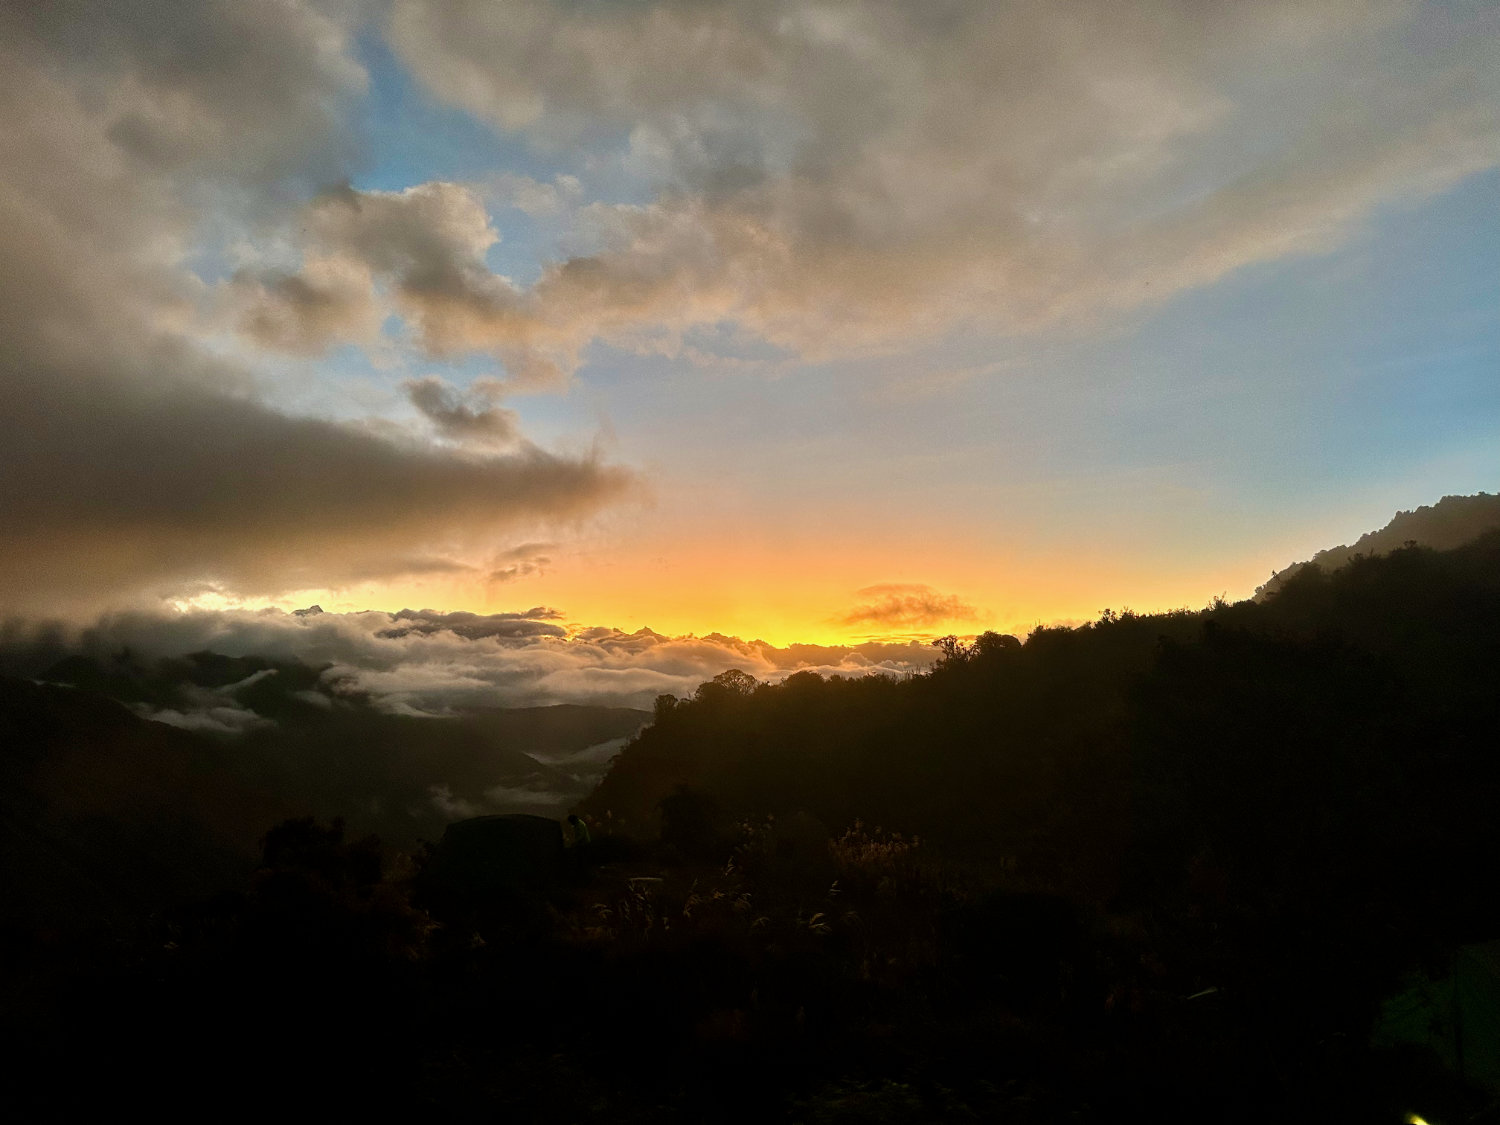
(1165, 865)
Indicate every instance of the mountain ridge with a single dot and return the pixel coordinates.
(1453, 521)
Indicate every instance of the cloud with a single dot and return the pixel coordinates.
(430, 663)
(109, 489)
(469, 416)
(423, 251)
(249, 94)
(208, 720)
(210, 710)
(907, 606)
(429, 243)
(810, 179)
(533, 197)
(522, 561)
(476, 626)
(136, 460)
(843, 178)
(302, 313)
(450, 807)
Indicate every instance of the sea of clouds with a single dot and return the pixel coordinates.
(428, 663)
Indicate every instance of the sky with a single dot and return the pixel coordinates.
(824, 323)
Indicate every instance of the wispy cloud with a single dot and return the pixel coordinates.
(904, 606)
(521, 562)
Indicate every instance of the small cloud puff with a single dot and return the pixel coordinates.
(902, 606)
(465, 417)
(521, 562)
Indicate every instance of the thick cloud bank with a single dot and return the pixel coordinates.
(427, 663)
(134, 456)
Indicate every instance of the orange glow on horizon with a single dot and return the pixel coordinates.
(784, 599)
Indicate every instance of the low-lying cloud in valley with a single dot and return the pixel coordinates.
(434, 664)
(403, 721)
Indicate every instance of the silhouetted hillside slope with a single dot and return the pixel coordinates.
(558, 730)
(198, 689)
(105, 814)
(1451, 522)
(113, 806)
(404, 777)
(1170, 868)
(328, 750)
(1339, 737)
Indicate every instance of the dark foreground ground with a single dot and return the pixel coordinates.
(1200, 866)
(866, 980)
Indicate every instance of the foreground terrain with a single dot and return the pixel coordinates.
(1182, 865)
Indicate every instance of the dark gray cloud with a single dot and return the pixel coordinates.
(108, 488)
(133, 461)
(535, 622)
(302, 313)
(469, 416)
(247, 93)
(425, 247)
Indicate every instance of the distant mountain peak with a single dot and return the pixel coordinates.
(1452, 522)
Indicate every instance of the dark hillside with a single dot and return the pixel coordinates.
(1453, 521)
(1345, 729)
(558, 729)
(106, 814)
(1176, 867)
